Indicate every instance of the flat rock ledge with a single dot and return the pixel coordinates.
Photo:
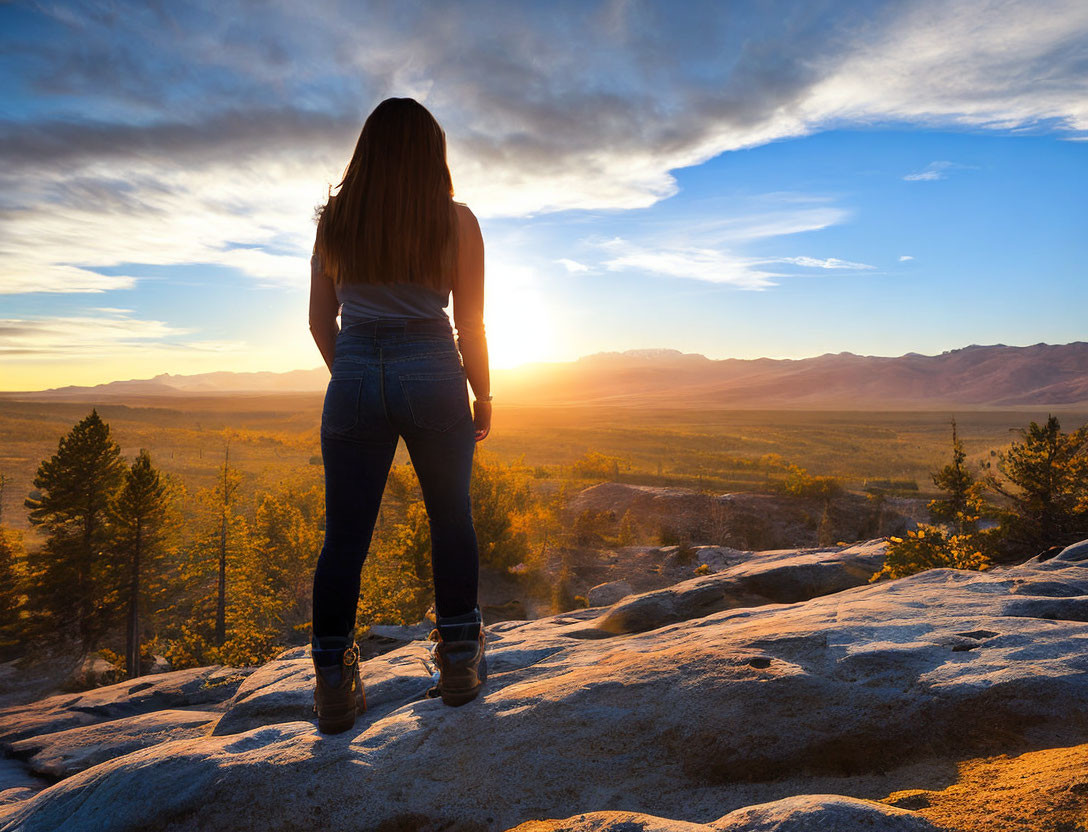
(731, 701)
(803, 813)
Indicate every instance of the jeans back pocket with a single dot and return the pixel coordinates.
(438, 400)
(341, 410)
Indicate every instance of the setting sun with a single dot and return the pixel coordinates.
(520, 328)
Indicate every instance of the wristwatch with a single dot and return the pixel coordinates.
(486, 398)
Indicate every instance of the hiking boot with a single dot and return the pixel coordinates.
(338, 691)
(459, 656)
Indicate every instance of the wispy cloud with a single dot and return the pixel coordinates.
(930, 174)
(905, 257)
(825, 263)
(37, 274)
(936, 170)
(713, 249)
(765, 224)
(707, 264)
(78, 335)
(104, 335)
(572, 265)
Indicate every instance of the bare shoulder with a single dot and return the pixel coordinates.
(466, 218)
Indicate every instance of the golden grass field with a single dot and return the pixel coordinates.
(276, 437)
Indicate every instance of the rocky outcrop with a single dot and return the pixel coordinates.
(182, 688)
(748, 520)
(782, 577)
(608, 593)
(804, 813)
(64, 753)
(688, 716)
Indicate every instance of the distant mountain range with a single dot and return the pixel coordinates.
(985, 376)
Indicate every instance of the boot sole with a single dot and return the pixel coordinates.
(336, 726)
(460, 697)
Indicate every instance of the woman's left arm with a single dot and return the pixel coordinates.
(323, 310)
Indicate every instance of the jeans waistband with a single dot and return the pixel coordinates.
(392, 326)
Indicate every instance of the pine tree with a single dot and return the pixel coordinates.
(186, 623)
(12, 554)
(226, 490)
(397, 582)
(75, 489)
(497, 493)
(287, 534)
(629, 531)
(959, 508)
(253, 626)
(1044, 478)
(9, 582)
(137, 516)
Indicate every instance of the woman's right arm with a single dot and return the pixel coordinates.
(468, 316)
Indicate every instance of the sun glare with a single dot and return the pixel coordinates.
(517, 335)
(519, 326)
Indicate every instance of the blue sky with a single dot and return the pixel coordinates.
(775, 179)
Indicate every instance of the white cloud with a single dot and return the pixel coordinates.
(711, 249)
(572, 265)
(613, 99)
(988, 63)
(80, 336)
(205, 215)
(711, 265)
(933, 171)
(904, 257)
(826, 263)
(37, 274)
(757, 226)
(925, 176)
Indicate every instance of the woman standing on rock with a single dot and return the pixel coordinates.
(391, 246)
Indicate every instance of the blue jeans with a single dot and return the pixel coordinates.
(394, 378)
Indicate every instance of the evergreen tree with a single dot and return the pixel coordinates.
(287, 534)
(254, 614)
(137, 516)
(226, 491)
(960, 507)
(629, 531)
(187, 622)
(9, 594)
(1044, 479)
(397, 585)
(498, 494)
(75, 489)
(12, 554)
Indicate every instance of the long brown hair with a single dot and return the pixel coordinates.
(393, 219)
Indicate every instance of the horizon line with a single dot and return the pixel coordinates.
(602, 353)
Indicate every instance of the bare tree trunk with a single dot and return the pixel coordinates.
(132, 657)
(221, 604)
